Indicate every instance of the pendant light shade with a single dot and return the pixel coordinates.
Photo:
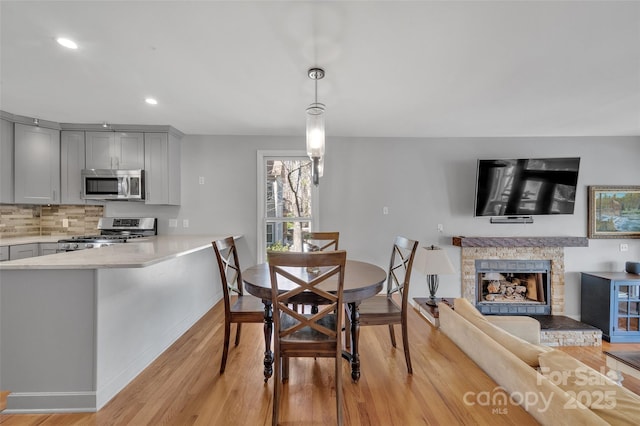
(315, 129)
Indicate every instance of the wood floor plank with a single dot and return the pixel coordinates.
(183, 386)
(3, 399)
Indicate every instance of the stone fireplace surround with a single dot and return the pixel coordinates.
(562, 331)
(517, 248)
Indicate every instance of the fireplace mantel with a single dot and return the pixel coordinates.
(520, 241)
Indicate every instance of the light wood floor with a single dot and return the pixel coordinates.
(183, 386)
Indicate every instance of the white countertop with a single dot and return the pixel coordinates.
(14, 241)
(136, 254)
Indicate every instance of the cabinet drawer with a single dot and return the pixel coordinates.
(22, 251)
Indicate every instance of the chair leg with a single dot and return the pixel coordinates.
(339, 396)
(393, 335)
(277, 388)
(225, 345)
(238, 330)
(285, 369)
(405, 344)
(347, 330)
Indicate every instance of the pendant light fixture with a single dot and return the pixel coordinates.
(315, 129)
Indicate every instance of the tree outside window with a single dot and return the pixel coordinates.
(288, 202)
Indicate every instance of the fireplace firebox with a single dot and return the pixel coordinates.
(513, 287)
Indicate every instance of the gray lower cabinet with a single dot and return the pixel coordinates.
(22, 251)
(6, 162)
(72, 161)
(4, 253)
(47, 248)
(37, 165)
(162, 168)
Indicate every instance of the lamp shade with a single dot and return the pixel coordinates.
(315, 130)
(433, 261)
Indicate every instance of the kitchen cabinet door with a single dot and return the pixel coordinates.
(99, 150)
(72, 161)
(47, 248)
(22, 251)
(129, 148)
(37, 165)
(109, 150)
(162, 168)
(4, 253)
(6, 162)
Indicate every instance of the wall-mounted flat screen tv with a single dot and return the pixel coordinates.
(526, 187)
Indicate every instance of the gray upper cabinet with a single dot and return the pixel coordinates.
(6, 162)
(72, 161)
(114, 150)
(162, 168)
(37, 165)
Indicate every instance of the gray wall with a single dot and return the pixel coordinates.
(423, 182)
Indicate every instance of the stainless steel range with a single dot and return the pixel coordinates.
(113, 230)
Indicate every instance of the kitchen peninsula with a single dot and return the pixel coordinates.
(77, 327)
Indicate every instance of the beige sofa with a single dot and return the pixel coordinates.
(554, 387)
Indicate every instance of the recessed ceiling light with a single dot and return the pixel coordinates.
(67, 43)
(151, 101)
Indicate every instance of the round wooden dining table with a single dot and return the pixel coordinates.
(361, 281)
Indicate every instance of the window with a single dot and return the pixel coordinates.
(287, 201)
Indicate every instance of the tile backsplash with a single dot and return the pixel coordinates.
(31, 220)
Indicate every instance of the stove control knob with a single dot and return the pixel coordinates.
(89, 245)
(74, 246)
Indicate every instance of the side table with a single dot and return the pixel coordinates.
(431, 312)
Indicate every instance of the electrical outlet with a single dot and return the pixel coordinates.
(65, 223)
(440, 227)
(201, 180)
(173, 223)
(624, 247)
(385, 210)
(185, 223)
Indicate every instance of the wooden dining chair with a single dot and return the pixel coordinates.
(238, 307)
(320, 241)
(306, 335)
(391, 308)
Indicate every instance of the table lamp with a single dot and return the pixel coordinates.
(433, 261)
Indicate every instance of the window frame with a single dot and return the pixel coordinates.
(262, 157)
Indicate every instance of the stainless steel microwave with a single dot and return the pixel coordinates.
(106, 184)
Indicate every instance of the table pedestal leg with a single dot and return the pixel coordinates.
(268, 329)
(355, 334)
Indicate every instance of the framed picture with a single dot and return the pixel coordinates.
(614, 212)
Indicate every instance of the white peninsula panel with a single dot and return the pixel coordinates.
(71, 339)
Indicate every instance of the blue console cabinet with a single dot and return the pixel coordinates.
(611, 302)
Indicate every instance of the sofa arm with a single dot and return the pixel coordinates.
(524, 327)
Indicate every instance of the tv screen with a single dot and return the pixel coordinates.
(525, 187)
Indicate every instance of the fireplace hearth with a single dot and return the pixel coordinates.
(513, 287)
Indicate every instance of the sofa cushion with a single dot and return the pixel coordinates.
(463, 307)
(524, 350)
(524, 327)
(614, 404)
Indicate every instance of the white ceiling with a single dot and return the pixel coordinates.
(394, 68)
